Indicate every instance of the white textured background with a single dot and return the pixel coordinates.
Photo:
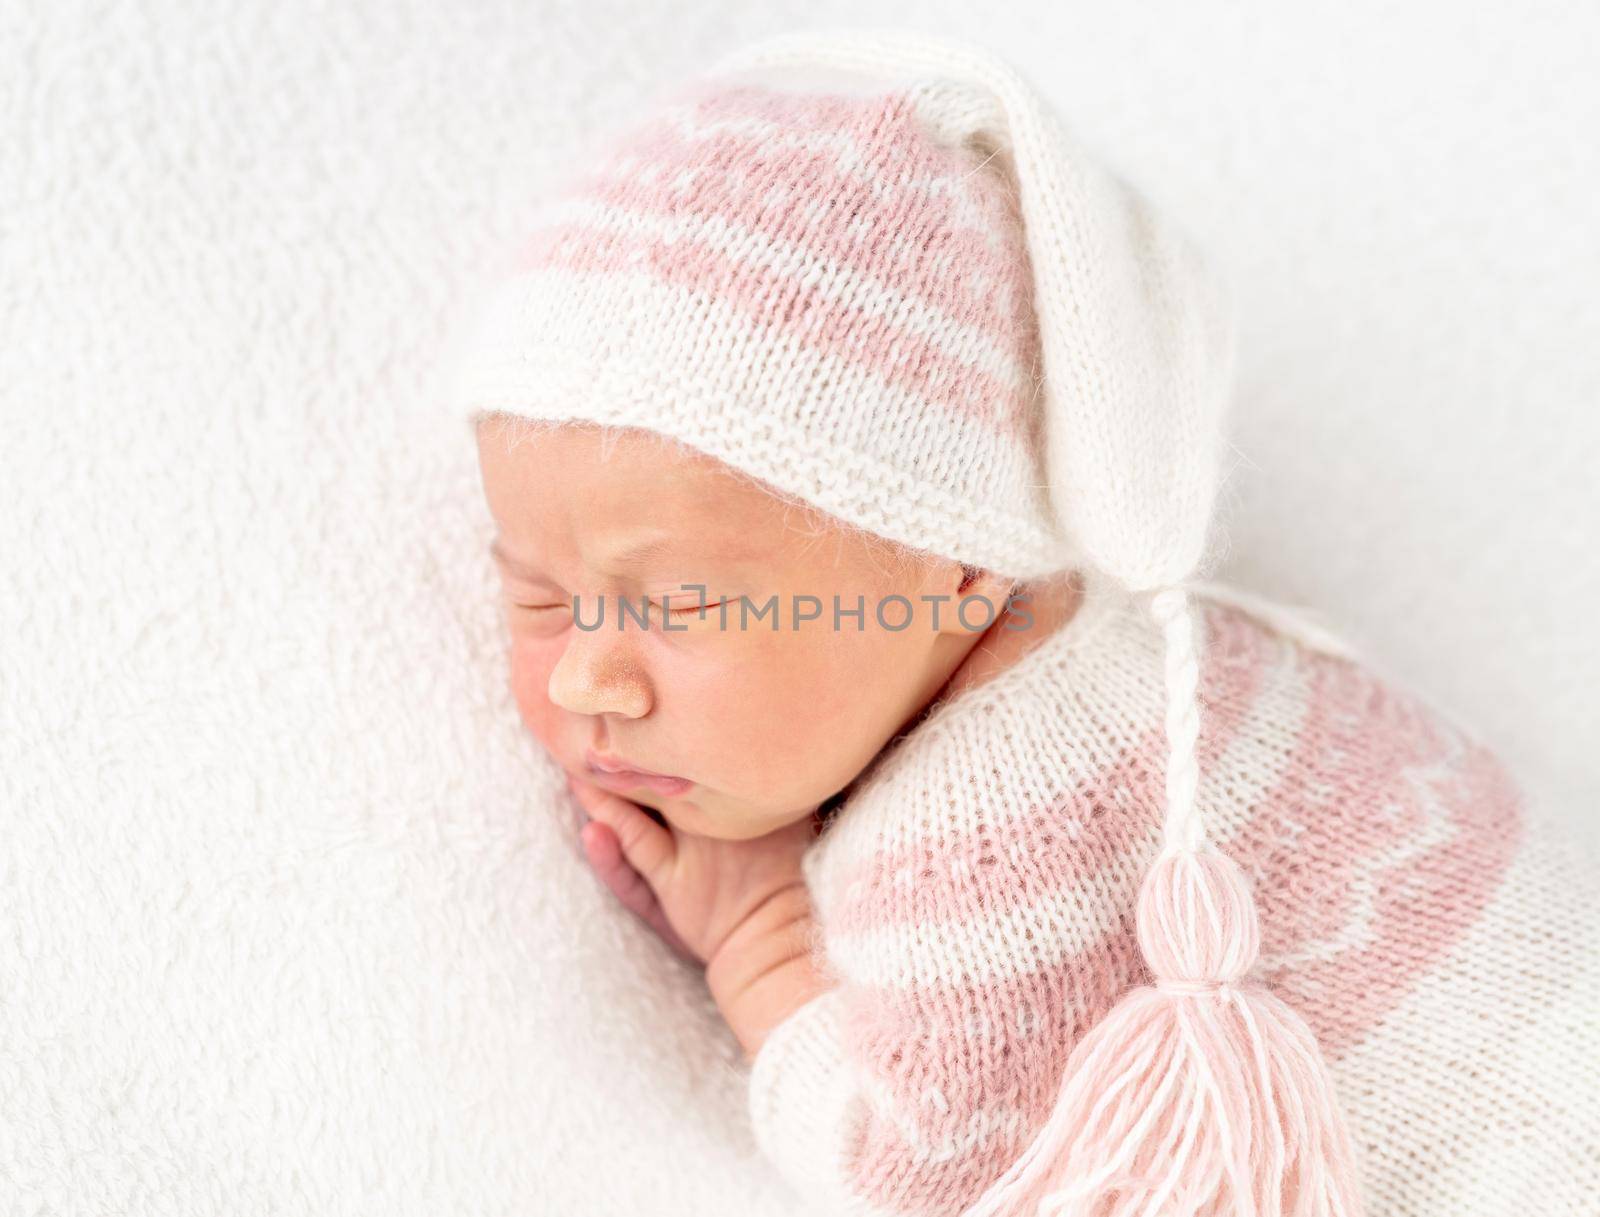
(289, 920)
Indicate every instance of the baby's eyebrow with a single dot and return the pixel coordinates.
(629, 555)
(498, 553)
(640, 551)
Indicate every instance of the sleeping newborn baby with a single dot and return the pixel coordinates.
(852, 443)
(736, 712)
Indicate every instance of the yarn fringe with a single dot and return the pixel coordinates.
(1204, 1095)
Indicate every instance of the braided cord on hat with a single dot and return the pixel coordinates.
(1183, 827)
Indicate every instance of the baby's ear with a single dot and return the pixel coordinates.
(980, 584)
(975, 581)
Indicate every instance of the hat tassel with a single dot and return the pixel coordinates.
(1204, 1095)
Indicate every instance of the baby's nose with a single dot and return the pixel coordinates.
(600, 676)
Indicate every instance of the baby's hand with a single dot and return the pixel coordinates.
(739, 907)
(694, 891)
(604, 850)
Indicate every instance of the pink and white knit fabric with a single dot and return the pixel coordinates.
(976, 896)
(749, 259)
(821, 277)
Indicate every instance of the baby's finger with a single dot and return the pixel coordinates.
(647, 846)
(605, 855)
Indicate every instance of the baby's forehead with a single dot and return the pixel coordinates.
(639, 486)
(633, 480)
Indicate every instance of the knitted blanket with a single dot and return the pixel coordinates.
(976, 898)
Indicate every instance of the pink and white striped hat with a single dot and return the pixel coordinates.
(813, 262)
(871, 269)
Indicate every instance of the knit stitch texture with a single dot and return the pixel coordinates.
(975, 899)
(823, 278)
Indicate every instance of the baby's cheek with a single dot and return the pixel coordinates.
(531, 665)
(791, 712)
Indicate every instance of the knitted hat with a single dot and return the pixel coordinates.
(871, 269)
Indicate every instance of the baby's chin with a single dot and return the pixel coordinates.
(716, 822)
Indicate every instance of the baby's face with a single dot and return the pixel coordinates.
(762, 725)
